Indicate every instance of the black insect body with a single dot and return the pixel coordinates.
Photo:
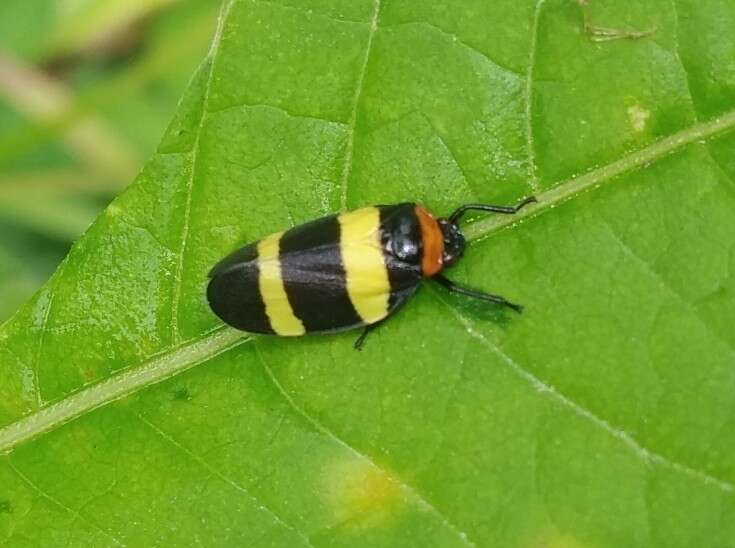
(342, 271)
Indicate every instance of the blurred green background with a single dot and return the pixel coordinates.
(86, 90)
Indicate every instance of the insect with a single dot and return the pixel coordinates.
(342, 271)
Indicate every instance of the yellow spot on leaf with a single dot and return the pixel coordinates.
(362, 494)
(555, 539)
(638, 117)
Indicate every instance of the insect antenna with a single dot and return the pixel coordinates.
(508, 210)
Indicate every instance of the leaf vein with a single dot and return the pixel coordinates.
(456, 39)
(528, 118)
(322, 429)
(56, 502)
(349, 151)
(308, 12)
(446, 146)
(646, 455)
(268, 106)
(677, 54)
(179, 271)
(148, 232)
(212, 470)
(42, 335)
(159, 368)
(666, 287)
(575, 186)
(688, 77)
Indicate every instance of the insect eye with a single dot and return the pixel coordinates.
(454, 243)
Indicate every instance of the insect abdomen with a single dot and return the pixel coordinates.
(234, 292)
(331, 274)
(314, 276)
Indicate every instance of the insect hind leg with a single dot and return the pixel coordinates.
(360, 341)
(488, 297)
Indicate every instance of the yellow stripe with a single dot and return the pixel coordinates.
(279, 311)
(367, 276)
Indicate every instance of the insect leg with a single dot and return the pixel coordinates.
(508, 210)
(489, 297)
(361, 339)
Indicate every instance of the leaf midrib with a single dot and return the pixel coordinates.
(162, 366)
(574, 186)
(645, 454)
(178, 359)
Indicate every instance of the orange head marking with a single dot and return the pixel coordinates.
(432, 240)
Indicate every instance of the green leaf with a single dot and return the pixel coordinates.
(603, 416)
